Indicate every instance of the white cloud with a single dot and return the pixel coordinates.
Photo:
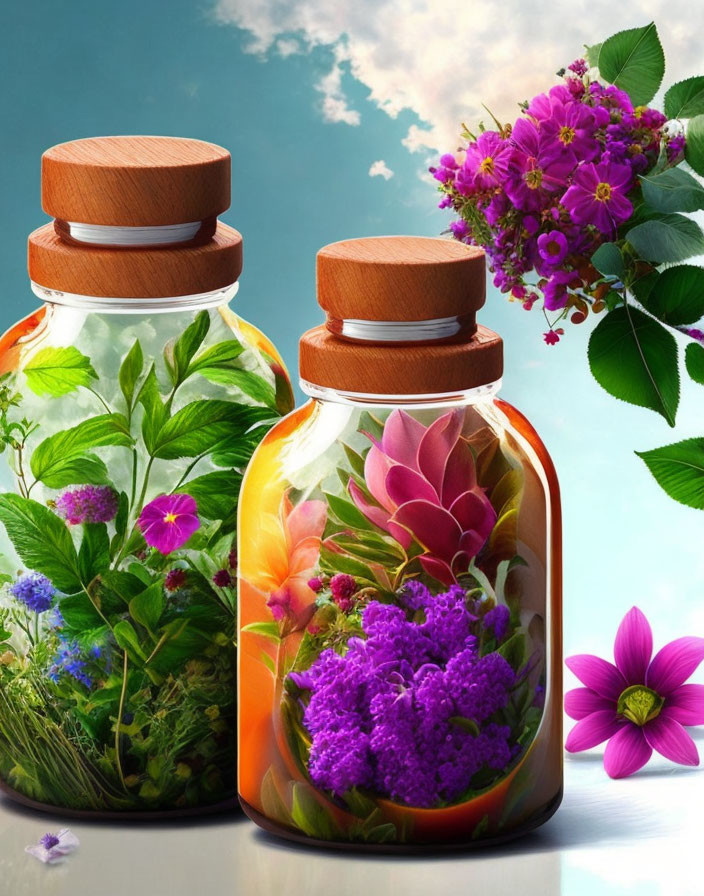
(380, 169)
(442, 60)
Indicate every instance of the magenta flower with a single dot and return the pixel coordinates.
(88, 504)
(638, 705)
(479, 171)
(552, 337)
(553, 247)
(169, 521)
(571, 127)
(597, 195)
(556, 290)
(424, 482)
(537, 166)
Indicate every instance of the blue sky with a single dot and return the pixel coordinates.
(304, 128)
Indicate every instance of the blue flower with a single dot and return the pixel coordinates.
(33, 590)
(69, 660)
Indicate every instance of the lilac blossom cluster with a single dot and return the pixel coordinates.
(408, 711)
(542, 195)
(88, 504)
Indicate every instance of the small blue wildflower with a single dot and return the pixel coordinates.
(33, 590)
(68, 660)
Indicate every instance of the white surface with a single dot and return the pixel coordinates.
(642, 835)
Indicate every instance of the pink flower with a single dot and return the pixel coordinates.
(175, 579)
(640, 704)
(597, 195)
(169, 521)
(424, 483)
(479, 171)
(553, 247)
(87, 504)
(552, 337)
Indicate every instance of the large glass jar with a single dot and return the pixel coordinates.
(400, 579)
(125, 425)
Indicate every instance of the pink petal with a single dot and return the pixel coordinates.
(633, 647)
(674, 663)
(438, 569)
(401, 438)
(436, 445)
(431, 526)
(592, 730)
(460, 473)
(686, 704)
(306, 519)
(597, 674)
(626, 752)
(373, 513)
(670, 739)
(473, 511)
(376, 466)
(581, 702)
(404, 485)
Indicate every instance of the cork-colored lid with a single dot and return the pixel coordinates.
(386, 281)
(400, 278)
(135, 181)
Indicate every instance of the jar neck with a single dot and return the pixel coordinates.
(403, 331)
(119, 236)
(439, 399)
(121, 305)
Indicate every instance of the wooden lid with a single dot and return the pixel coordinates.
(135, 181)
(326, 360)
(140, 273)
(400, 278)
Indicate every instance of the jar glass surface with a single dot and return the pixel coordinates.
(125, 426)
(400, 623)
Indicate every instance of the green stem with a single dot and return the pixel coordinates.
(100, 399)
(135, 461)
(187, 472)
(119, 720)
(21, 481)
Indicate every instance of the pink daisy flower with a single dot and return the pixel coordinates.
(639, 704)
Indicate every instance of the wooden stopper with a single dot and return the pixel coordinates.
(400, 278)
(135, 181)
(140, 273)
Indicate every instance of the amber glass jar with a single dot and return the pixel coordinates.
(130, 403)
(400, 578)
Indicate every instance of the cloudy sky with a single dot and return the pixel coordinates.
(331, 111)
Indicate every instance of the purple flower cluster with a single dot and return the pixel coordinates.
(33, 590)
(543, 194)
(88, 504)
(407, 710)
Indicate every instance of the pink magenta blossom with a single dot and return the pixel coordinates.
(169, 521)
(598, 195)
(639, 704)
(424, 482)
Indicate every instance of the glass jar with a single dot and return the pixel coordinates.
(125, 425)
(400, 578)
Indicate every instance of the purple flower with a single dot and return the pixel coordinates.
(553, 247)
(52, 848)
(88, 504)
(33, 590)
(555, 291)
(640, 704)
(169, 521)
(479, 171)
(552, 337)
(536, 167)
(222, 578)
(579, 67)
(70, 660)
(175, 579)
(315, 584)
(342, 587)
(675, 148)
(571, 126)
(496, 621)
(597, 195)
(407, 711)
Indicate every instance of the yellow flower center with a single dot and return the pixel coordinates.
(602, 192)
(566, 135)
(487, 165)
(533, 178)
(635, 149)
(638, 111)
(170, 517)
(639, 704)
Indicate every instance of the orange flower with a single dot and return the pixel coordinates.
(290, 548)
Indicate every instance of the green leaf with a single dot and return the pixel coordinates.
(685, 99)
(130, 371)
(335, 563)
(42, 540)
(669, 238)
(514, 650)
(265, 629)
(679, 470)
(220, 356)
(608, 260)
(78, 612)
(634, 61)
(694, 362)
(348, 514)
(592, 54)
(58, 371)
(215, 493)
(673, 190)
(128, 639)
(62, 459)
(94, 553)
(252, 384)
(179, 352)
(147, 607)
(123, 584)
(635, 359)
(203, 426)
(677, 296)
(694, 146)
(309, 815)
(155, 412)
